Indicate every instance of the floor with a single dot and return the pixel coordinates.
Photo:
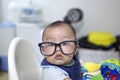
(3, 75)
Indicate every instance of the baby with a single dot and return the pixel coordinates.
(60, 47)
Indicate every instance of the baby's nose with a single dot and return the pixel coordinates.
(57, 49)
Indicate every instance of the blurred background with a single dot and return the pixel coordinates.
(102, 15)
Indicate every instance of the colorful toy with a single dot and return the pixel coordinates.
(110, 69)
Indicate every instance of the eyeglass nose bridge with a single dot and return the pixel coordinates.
(58, 46)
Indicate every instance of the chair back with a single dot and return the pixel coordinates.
(23, 63)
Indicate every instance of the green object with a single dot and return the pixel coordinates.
(97, 77)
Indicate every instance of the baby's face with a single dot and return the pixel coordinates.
(57, 35)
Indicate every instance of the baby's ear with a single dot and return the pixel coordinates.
(78, 47)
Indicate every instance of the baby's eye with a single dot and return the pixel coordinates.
(45, 45)
(51, 44)
(65, 43)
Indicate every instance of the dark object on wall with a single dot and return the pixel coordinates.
(74, 15)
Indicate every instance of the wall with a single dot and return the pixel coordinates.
(99, 15)
(1, 11)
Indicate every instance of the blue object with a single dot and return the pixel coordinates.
(0, 64)
(6, 25)
(87, 77)
(110, 69)
(3, 63)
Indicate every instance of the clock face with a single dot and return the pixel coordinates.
(74, 15)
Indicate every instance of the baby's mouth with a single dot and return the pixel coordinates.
(59, 57)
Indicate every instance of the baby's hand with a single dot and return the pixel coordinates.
(67, 79)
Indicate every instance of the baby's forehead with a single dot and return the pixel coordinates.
(64, 31)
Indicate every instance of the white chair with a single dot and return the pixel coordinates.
(23, 63)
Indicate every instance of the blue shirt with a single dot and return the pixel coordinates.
(73, 70)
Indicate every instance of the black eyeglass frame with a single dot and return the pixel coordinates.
(59, 45)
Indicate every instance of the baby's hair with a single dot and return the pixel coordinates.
(59, 23)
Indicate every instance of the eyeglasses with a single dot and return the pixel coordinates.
(66, 47)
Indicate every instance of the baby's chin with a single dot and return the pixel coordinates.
(58, 62)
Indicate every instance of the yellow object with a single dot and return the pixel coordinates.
(91, 66)
(101, 38)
